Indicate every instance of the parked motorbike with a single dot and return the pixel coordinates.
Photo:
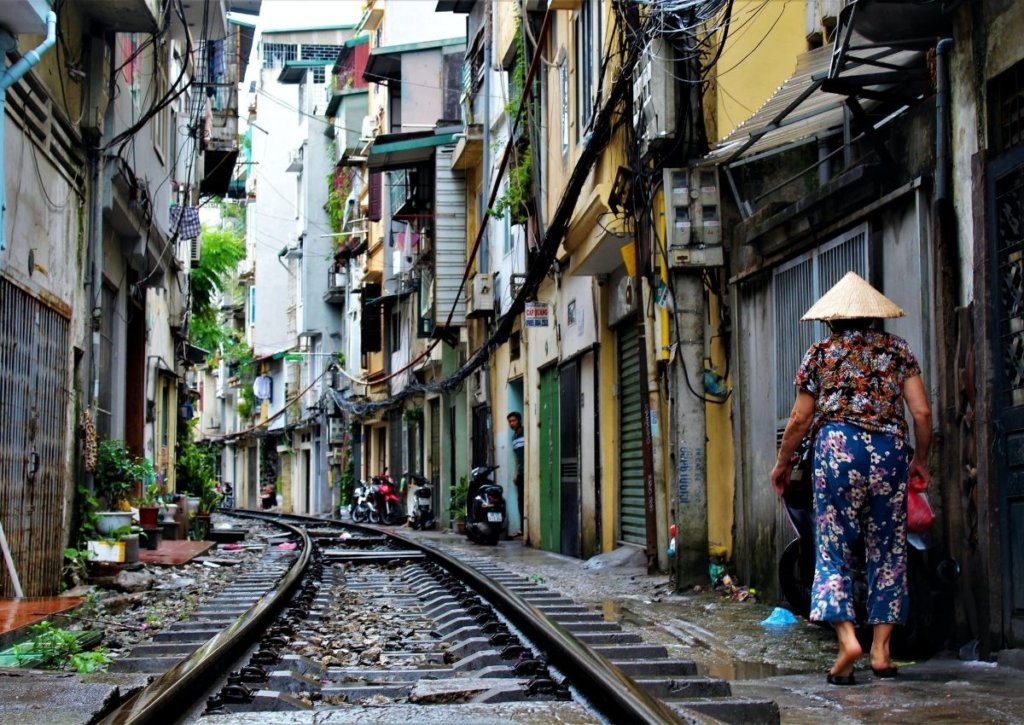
(928, 584)
(359, 505)
(386, 507)
(422, 515)
(485, 513)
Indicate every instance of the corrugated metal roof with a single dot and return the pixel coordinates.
(797, 110)
(801, 111)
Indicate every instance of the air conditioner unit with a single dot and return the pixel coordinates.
(481, 300)
(295, 160)
(369, 128)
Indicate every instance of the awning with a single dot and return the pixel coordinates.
(454, 6)
(402, 150)
(797, 112)
(294, 71)
(218, 168)
(812, 103)
(336, 98)
(385, 61)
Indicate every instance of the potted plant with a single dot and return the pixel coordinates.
(116, 476)
(209, 497)
(457, 507)
(149, 505)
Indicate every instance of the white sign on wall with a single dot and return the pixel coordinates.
(536, 314)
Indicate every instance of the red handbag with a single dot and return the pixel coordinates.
(920, 516)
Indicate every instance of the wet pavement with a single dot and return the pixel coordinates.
(785, 664)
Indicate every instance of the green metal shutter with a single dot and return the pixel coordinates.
(632, 523)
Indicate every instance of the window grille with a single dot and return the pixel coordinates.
(1007, 93)
(796, 285)
(276, 55)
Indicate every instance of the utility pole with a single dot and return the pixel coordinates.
(690, 493)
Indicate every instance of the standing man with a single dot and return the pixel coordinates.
(515, 424)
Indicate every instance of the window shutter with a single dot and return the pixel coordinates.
(375, 197)
(371, 319)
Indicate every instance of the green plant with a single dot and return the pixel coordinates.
(413, 414)
(88, 505)
(458, 500)
(195, 464)
(517, 196)
(222, 250)
(57, 648)
(246, 404)
(150, 494)
(121, 532)
(209, 496)
(117, 472)
(75, 571)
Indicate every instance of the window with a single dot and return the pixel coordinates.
(252, 306)
(796, 285)
(588, 47)
(1007, 103)
(276, 55)
(563, 85)
(506, 231)
(159, 125)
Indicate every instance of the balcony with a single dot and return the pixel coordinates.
(337, 281)
(349, 107)
(124, 16)
(217, 71)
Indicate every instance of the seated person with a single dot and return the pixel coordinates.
(268, 497)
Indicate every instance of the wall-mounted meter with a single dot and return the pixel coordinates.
(693, 224)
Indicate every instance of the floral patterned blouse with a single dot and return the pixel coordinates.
(857, 377)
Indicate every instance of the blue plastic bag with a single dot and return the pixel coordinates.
(779, 618)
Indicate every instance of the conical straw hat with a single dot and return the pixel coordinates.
(852, 298)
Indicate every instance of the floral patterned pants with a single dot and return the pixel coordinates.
(860, 486)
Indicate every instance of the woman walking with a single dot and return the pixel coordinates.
(852, 387)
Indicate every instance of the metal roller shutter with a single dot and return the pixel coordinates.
(632, 523)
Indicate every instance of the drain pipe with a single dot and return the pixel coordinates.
(942, 119)
(8, 78)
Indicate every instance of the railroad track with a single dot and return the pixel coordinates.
(381, 628)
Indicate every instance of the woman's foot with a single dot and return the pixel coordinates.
(881, 663)
(849, 651)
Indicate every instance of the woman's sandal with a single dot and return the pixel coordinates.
(841, 679)
(885, 673)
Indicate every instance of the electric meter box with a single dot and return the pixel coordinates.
(693, 225)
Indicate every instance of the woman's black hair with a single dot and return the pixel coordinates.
(857, 323)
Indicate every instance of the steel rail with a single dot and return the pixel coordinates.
(174, 693)
(606, 687)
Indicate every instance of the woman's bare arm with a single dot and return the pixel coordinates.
(799, 421)
(917, 400)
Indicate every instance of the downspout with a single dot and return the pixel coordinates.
(8, 78)
(978, 597)
(942, 119)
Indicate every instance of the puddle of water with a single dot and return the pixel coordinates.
(738, 670)
(613, 611)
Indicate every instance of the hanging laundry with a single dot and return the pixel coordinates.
(185, 221)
